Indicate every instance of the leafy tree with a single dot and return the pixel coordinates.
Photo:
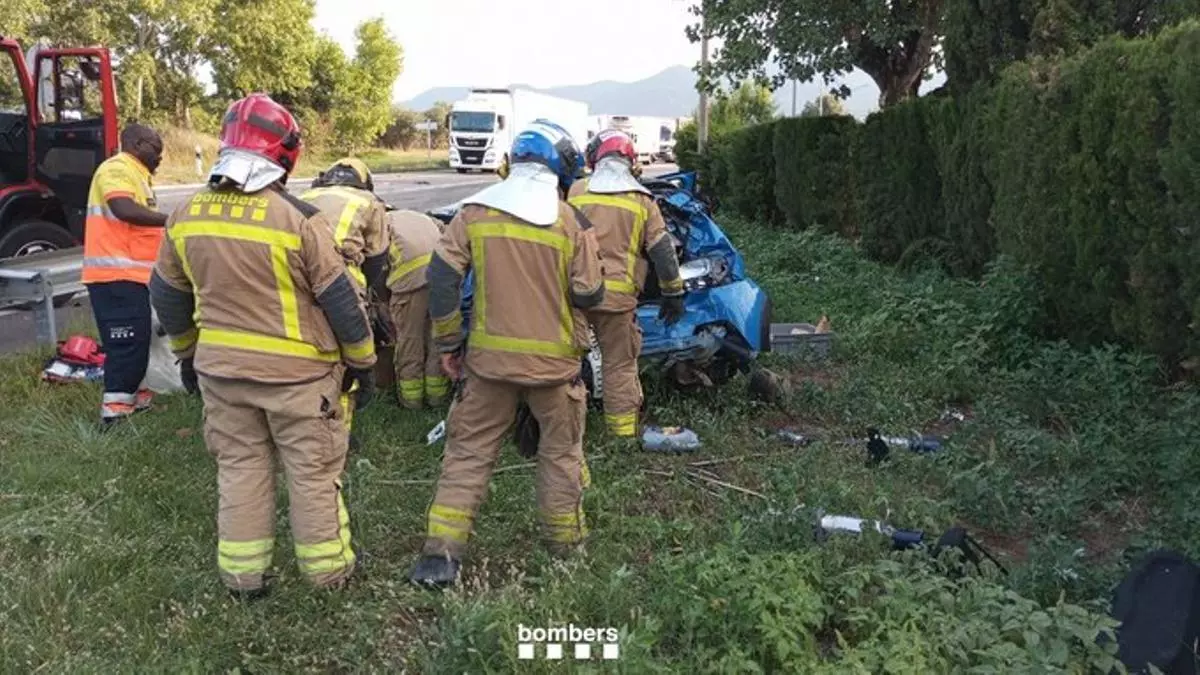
(274, 56)
(892, 42)
(438, 113)
(362, 108)
(19, 17)
(402, 132)
(751, 103)
(824, 105)
(983, 36)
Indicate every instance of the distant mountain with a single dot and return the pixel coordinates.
(672, 93)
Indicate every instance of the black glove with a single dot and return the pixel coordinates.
(187, 373)
(671, 309)
(366, 385)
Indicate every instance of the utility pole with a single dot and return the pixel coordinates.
(702, 123)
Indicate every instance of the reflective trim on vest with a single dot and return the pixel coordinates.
(119, 263)
(480, 338)
(404, 269)
(640, 215)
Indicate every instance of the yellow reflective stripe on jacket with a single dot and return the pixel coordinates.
(281, 244)
(447, 522)
(360, 351)
(242, 231)
(450, 326)
(480, 338)
(356, 272)
(185, 341)
(634, 249)
(404, 269)
(267, 344)
(354, 202)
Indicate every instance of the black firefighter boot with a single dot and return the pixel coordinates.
(435, 571)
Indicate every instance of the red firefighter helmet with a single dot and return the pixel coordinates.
(258, 124)
(610, 142)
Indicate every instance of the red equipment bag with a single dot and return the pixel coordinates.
(81, 350)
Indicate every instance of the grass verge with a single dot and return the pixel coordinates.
(1066, 463)
(179, 158)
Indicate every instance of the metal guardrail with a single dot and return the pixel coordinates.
(35, 281)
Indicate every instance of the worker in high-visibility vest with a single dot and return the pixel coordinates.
(270, 326)
(535, 267)
(120, 241)
(418, 365)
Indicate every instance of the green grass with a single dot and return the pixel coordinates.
(1068, 464)
(179, 163)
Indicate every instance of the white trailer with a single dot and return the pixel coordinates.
(484, 124)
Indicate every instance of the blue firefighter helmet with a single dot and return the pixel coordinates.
(546, 143)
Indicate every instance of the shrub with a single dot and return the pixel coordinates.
(899, 188)
(747, 175)
(814, 186)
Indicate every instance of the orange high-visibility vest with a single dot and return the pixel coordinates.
(114, 250)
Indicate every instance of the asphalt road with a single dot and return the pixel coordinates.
(419, 191)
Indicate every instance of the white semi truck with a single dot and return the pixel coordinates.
(648, 133)
(483, 125)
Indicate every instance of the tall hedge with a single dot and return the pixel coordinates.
(899, 188)
(1086, 169)
(958, 135)
(814, 184)
(747, 171)
(1084, 152)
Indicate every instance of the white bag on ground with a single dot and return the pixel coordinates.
(162, 373)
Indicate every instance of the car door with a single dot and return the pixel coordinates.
(77, 122)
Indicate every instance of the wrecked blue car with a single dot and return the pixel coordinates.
(728, 316)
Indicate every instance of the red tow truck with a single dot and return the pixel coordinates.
(58, 122)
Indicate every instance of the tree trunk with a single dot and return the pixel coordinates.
(138, 105)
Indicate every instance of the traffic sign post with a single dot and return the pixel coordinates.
(428, 127)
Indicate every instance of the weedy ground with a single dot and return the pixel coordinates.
(1066, 463)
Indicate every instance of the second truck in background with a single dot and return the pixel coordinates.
(482, 125)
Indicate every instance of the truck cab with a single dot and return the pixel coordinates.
(481, 130)
(58, 122)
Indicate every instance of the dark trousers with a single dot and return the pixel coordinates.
(122, 311)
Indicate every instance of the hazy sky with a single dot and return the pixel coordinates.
(537, 42)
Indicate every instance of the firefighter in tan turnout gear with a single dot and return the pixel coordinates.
(279, 334)
(629, 228)
(345, 193)
(535, 265)
(418, 365)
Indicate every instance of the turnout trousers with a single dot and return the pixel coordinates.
(476, 427)
(247, 427)
(419, 376)
(122, 313)
(620, 340)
